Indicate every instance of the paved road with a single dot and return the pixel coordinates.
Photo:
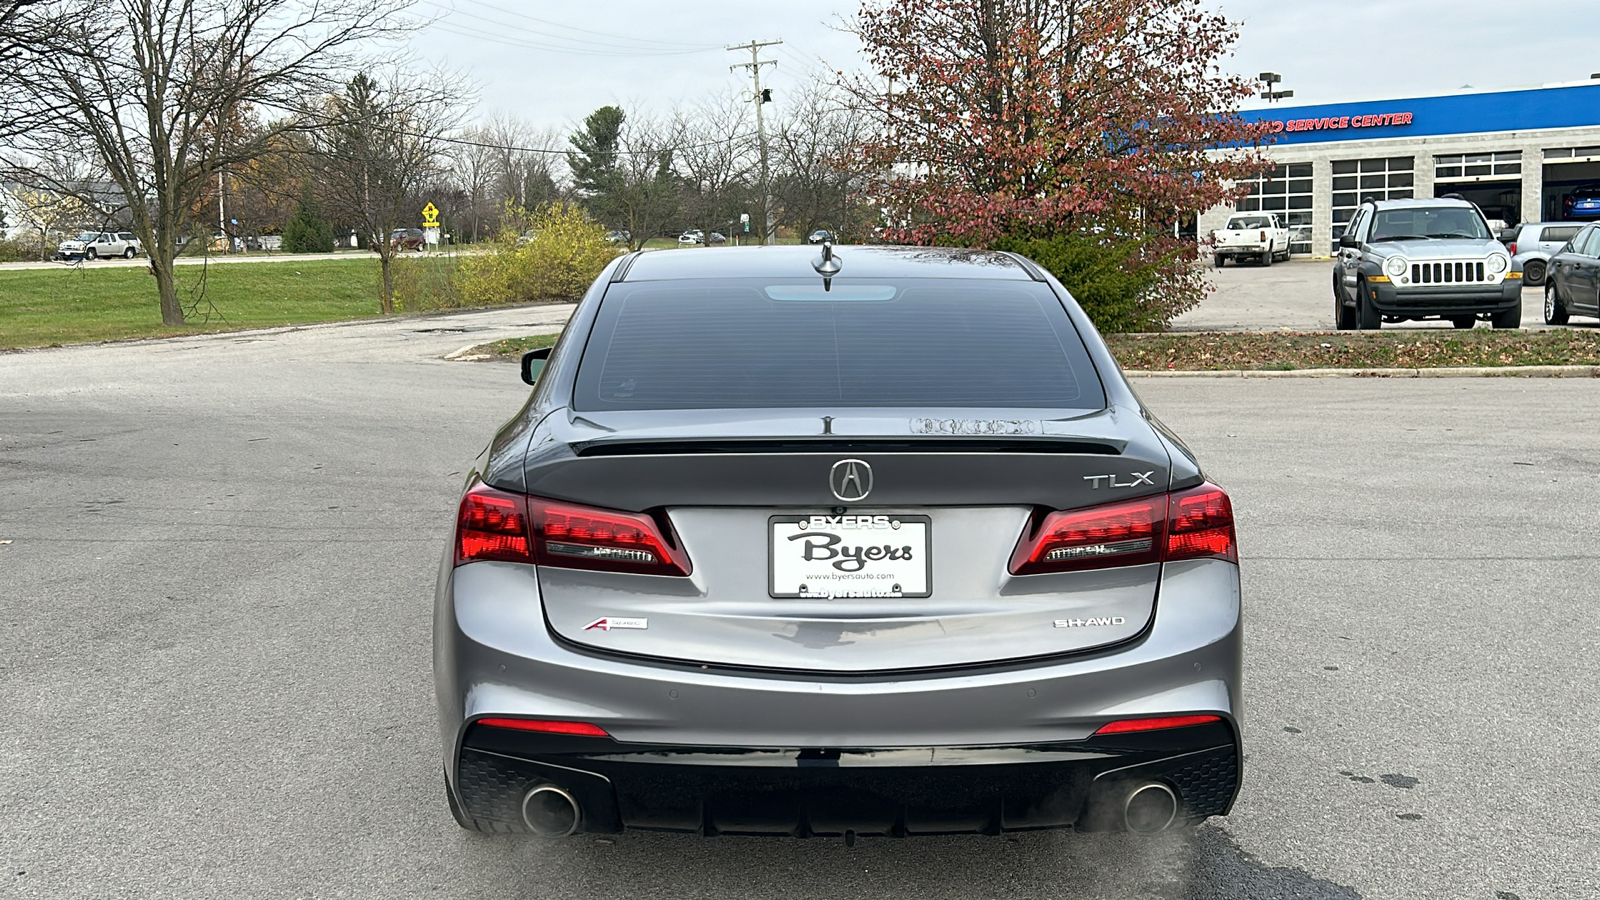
(194, 260)
(1298, 296)
(215, 677)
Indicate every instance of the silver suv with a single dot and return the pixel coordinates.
(99, 245)
(1535, 242)
(1405, 260)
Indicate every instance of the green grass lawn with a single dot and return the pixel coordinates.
(45, 307)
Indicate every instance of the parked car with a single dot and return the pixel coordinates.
(1533, 243)
(1572, 286)
(693, 236)
(675, 600)
(1582, 203)
(100, 245)
(619, 237)
(407, 239)
(821, 236)
(716, 237)
(1401, 260)
(1258, 236)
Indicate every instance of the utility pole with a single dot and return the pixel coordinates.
(762, 97)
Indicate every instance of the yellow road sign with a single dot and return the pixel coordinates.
(430, 215)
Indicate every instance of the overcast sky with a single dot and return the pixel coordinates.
(552, 63)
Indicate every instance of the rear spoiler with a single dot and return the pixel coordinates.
(705, 446)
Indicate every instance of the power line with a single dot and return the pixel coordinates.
(698, 47)
(451, 24)
(496, 38)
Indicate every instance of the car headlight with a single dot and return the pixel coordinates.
(1396, 266)
(1498, 264)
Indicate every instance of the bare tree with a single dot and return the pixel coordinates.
(27, 28)
(647, 196)
(528, 172)
(382, 145)
(716, 159)
(155, 90)
(474, 166)
(817, 176)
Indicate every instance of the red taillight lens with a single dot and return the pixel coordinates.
(1263, 237)
(1192, 524)
(492, 525)
(580, 537)
(546, 726)
(1513, 248)
(1200, 525)
(1129, 726)
(495, 525)
(1121, 534)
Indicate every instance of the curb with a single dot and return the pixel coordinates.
(1442, 372)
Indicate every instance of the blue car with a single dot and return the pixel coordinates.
(1583, 203)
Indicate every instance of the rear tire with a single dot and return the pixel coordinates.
(1511, 318)
(1266, 258)
(129, 253)
(1368, 317)
(1555, 311)
(1464, 322)
(1533, 272)
(1219, 260)
(1344, 318)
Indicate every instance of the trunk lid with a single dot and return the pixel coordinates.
(954, 490)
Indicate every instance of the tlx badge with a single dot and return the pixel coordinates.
(1135, 479)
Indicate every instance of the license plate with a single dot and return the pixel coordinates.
(837, 557)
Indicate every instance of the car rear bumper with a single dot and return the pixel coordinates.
(1010, 745)
(802, 792)
(1448, 300)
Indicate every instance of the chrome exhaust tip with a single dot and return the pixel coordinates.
(1150, 808)
(550, 811)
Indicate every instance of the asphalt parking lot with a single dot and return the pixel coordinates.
(1298, 296)
(219, 554)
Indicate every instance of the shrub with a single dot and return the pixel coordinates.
(1124, 284)
(551, 253)
(21, 251)
(423, 283)
(307, 232)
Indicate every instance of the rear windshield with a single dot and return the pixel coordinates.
(738, 343)
(1242, 222)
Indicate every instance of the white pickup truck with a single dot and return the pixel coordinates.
(1258, 236)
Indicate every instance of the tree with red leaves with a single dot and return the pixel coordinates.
(1074, 129)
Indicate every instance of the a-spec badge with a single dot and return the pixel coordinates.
(850, 480)
(612, 623)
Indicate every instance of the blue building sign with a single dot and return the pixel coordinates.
(1526, 110)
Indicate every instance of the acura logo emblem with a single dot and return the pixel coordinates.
(851, 480)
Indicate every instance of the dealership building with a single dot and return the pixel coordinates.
(1517, 154)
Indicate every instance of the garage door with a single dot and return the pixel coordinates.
(1285, 190)
(1355, 180)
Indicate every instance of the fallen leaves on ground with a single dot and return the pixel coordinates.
(1355, 350)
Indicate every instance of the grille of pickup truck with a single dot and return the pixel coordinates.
(1447, 273)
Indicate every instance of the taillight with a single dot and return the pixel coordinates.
(495, 525)
(1192, 524)
(1512, 247)
(1263, 237)
(581, 537)
(1121, 534)
(1200, 525)
(492, 525)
